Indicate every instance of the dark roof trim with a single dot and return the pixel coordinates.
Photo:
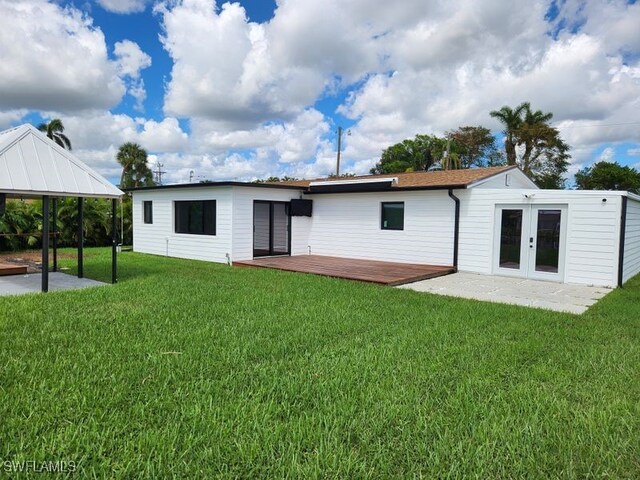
(392, 189)
(214, 184)
(383, 185)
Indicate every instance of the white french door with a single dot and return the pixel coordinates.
(530, 241)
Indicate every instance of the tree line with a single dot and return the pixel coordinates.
(530, 142)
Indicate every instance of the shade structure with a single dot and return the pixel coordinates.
(34, 166)
(31, 164)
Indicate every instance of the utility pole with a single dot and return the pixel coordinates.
(340, 132)
(339, 148)
(191, 173)
(159, 172)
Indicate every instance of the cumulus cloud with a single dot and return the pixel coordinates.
(131, 60)
(53, 58)
(258, 97)
(124, 6)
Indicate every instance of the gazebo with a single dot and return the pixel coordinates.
(34, 166)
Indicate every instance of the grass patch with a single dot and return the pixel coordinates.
(193, 369)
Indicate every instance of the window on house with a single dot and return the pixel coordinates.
(196, 217)
(147, 207)
(392, 217)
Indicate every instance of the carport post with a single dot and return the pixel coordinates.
(45, 243)
(114, 241)
(80, 236)
(54, 230)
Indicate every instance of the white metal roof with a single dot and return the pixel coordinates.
(31, 164)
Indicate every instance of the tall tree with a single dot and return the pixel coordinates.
(608, 176)
(423, 152)
(534, 145)
(476, 147)
(511, 119)
(55, 131)
(135, 169)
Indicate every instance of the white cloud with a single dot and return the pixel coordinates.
(164, 136)
(131, 61)
(124, 6)
(53, 58)
(11, 117)
(634, 152)
(607, 155)
(130, 58)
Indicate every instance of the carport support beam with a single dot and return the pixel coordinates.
(80, 237)
(54, 230)
(114, 241)
(45, 243)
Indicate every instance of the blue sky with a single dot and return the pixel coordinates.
(258, 88)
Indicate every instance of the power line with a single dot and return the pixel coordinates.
(596, 125)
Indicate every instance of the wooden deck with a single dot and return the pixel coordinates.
(386, 273)
(12, 269)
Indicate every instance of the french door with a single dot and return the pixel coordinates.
(271, 228)
(530, 241)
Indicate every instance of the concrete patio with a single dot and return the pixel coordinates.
(560, 297)
(31, 283)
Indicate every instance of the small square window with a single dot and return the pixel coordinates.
(148, 211)
(392, 217)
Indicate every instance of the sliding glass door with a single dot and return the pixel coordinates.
(271, 228)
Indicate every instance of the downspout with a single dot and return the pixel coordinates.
(456, 229)
(623, 231)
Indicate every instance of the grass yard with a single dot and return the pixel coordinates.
(197, 370)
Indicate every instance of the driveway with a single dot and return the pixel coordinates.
(561, 297)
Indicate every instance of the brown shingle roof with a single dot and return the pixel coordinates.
(411, 180)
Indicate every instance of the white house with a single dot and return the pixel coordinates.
(487, 220)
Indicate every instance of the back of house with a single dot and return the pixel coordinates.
(486, 220)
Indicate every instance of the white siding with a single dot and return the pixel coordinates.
(348, 225)
(512, 179)
(243, 198)
(159, 238)
(632, 241)
(592, 231)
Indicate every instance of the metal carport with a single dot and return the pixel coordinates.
(34, 166)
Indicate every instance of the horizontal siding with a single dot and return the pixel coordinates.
(516, 180)
(243, 198)
(348, 225)
(632, 241)
(592, 231)
(159, 238)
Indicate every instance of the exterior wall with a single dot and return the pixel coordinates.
(515, 179)
(348, 225)
(632, 241)
(243, 198)
(592, 240)
(160, 238)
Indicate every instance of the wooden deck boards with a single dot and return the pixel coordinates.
(386, 273)
(12, 269)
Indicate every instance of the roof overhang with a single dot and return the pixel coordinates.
(347, 186)
(33, 165)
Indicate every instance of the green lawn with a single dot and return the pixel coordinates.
(195, 370)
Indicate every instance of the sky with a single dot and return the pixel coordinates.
(251, 89)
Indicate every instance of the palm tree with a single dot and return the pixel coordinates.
(512, 120)
(135, 170)
(534, 129)
(55, 131)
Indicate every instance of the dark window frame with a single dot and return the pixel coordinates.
(208, 226)
(147, 219)
(382, 216)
